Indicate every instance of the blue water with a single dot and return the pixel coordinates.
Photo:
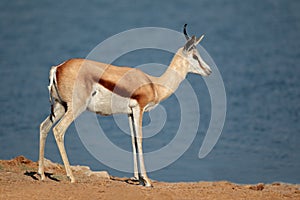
(255, 44)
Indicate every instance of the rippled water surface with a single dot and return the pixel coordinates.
(255, 45)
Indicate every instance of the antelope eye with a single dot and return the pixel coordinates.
(195, 57)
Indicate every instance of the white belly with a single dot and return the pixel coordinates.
(105, 102)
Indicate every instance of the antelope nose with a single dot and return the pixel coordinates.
(208, 71)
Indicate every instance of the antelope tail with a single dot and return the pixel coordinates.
(52, 82)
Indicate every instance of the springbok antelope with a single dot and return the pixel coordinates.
(79, 84)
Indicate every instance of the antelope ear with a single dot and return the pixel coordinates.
(189, 44)
(199, 39)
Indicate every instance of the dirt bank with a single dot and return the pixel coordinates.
(18, 180)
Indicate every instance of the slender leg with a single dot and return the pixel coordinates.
(138, 119)
(44, 130)
(134, 147)
(59, 132)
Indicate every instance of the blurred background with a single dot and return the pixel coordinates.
(255, 45)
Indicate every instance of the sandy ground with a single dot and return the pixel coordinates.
(18, 180)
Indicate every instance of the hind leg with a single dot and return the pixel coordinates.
(45, 127)
(59, 132)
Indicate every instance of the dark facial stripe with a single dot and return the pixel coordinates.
(196, 57)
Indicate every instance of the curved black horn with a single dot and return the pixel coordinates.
(185, 33)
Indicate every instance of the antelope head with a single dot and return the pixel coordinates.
(195, 63)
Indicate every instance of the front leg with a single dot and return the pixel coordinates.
(134, 146)
(137, 121)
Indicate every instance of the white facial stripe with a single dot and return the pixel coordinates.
(198, 65)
